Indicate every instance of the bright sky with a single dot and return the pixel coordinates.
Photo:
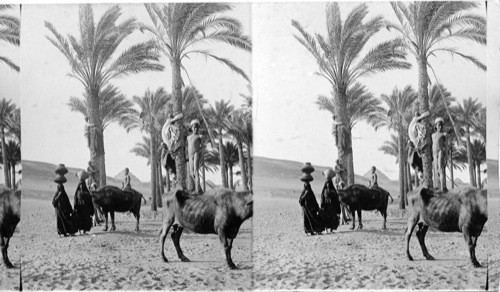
(52, 133)
(289, 124)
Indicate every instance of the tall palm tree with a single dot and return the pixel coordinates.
(430, 28)
(361, 105)
(94, 61)
(218, 116)
(14, 158)
(478, 149)
(6, 110)
(152, 106)
(14, 124)
(343, 58)
(180, 31)
(395, 117)
(237, 128)
(231, 156)
(9, 32)
(466, 114)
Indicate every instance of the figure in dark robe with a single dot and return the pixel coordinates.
(84, 208)
(330, 206)
(64, 212)
(310, 209)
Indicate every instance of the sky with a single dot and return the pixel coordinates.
(54, 134)
(289, 124)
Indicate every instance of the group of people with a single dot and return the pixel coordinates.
(78, 218)
(170, 135)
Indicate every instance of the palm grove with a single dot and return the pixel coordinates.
(423, 29)
(10, 114)
(178, 31)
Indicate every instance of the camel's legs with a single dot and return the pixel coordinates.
(228, 244)
(176, 235)
(384, 216)
(422, 230)
(137, 220)
(412, 222)
(353, 219)
(471, 242)
(106, 219)
(167, 223)
(113, 227)
(360, 225)
(5, 246)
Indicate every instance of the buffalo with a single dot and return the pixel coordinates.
(10, 215)
(459, 210)
(359, 197)
(111, 199)
(219, 211)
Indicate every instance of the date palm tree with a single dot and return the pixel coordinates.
(218, 116)
(152, 106)
(466, 114)
(180, 31)
(343, 58)
(9, 32)
(95, 61)
(6, 110)
(361, 105)
(395, 117)
(429, 28)
(237, 128)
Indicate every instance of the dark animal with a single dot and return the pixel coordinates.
(111, 199)
(219, 211)
(359, 197)
(10, 215)
(459, 210)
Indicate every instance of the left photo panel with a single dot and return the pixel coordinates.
(137, 120)
(10, 136)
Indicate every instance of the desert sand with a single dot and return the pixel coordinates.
(286, 258)
(123, 259)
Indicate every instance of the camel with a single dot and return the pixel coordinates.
(10, 215)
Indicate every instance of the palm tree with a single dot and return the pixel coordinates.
(429, 28)
(14, 124)
(9, 32)
(218, 116)
(92, 63)
(13, 158)
(343, 58)
(478, 149)
(180, 30)
(466, 114)
(231, 157)
(237, 127)
(395, 117)
(6, 110)
(361, 105)
(152, 107)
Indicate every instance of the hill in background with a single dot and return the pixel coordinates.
(133, 179)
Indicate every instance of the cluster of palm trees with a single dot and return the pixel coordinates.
(10, 115)
(179, 31)
(424, 30)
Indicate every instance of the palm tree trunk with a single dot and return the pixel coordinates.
(478, 171)
(408, 175)
(4, 158)
(250, 172)
(423, 95)
(154, 175)
(231, 177)
(13, 175)
(204, 179)
(97, 138)
(222, 161)
(451, 169)
(167, 178)
(159, 183)
(402, 201)
(180, 157)
(243, 169)
(344, 142)
(470, 163)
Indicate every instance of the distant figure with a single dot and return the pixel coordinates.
(417, 130)
(194, 152)
(126, 181)
(338, 166)
(330, 204)
(91, 171)
(439, 155)
(338, 182)
(63, 212)
(84, 208)
(373, 180)
(310, 208)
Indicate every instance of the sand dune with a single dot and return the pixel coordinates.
(124, 259)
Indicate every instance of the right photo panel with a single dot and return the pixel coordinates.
(370, 146)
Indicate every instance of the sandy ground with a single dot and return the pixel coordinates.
(123, 259)
(286, 258)
(9, 278)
